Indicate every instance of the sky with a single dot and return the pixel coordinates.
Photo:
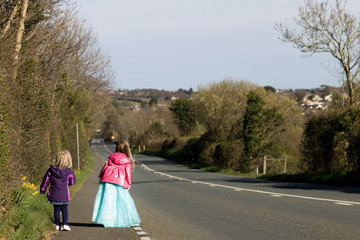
(173, 44)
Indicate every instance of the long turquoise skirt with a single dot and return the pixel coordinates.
(114, 207)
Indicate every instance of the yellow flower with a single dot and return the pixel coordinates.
(34, 193)
(24, 178)
(24, 185)
(32, 187)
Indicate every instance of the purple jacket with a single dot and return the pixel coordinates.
(59, 180)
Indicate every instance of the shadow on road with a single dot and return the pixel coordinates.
(308, 186)
(92, 225)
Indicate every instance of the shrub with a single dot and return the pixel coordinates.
(192, 150)
(228, 154)
(331, 142)
(206, 156)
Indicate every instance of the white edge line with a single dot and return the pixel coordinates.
(274, 194)
(344, 204)
(107, 148)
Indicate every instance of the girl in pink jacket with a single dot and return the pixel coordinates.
(114, 207)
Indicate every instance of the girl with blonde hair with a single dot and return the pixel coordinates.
(60, 177)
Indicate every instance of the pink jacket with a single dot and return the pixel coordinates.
(117, 169)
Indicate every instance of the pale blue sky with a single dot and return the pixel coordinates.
(172, 44)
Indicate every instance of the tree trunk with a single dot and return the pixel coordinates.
(350, 88)
(20, 32)
(9, 21)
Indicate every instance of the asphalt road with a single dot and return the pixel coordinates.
(180, 203)
(175, 202)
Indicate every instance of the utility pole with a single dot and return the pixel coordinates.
(77, 145)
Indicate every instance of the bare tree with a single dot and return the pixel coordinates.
(324, 28)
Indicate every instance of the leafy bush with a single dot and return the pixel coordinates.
(185, 114)
(228, 154)
(206, 156)
(331, 142)
(192, 150)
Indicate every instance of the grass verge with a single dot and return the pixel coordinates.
(29, 216)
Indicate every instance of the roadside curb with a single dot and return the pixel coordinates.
(142, 235)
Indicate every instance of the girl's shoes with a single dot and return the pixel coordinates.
(65, 228)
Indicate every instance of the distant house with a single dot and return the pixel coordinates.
(317, 98)
(137, 108)
(315, 102)
(328, 98)
(112, 92)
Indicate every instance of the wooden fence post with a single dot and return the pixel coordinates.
(264, 167)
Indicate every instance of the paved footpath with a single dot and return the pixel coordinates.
(80, 212)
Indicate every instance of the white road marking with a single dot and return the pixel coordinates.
(344, 203)
(107, 148)
(274, 194)
(142, 235)
(335, 201)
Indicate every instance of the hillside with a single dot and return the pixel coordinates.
(145, 95)
(310, 99)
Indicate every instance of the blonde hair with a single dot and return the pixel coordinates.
(123, 147)
(63, 159)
